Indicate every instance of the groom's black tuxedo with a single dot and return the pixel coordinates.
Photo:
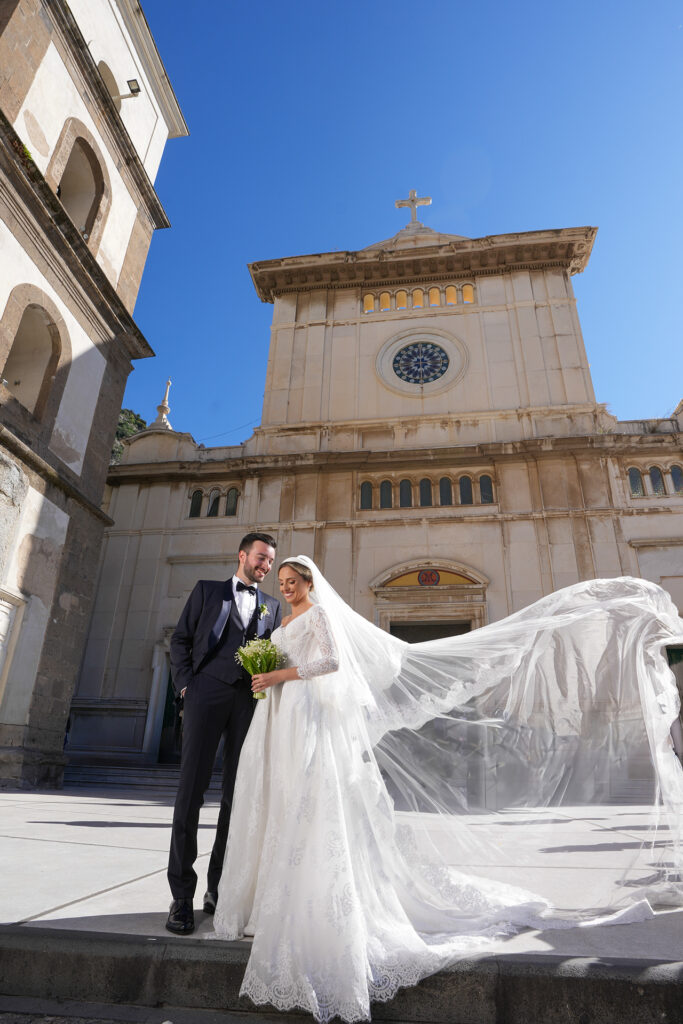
(199, 640)
(218, 702)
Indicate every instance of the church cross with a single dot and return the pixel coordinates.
(413, 202)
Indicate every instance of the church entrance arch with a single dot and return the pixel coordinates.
(428, 598)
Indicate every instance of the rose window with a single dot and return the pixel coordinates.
(420, 362)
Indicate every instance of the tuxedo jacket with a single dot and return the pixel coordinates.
(204, 624)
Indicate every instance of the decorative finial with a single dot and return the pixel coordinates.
(161, 422)
(413, 202)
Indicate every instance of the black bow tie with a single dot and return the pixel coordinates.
(245, 586)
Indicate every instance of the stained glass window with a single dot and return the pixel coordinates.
(420, 363)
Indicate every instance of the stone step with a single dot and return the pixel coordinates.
(61, 964)
(153, 776)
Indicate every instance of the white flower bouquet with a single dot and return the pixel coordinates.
(259, 656)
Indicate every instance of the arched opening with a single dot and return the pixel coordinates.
(110, 82)
(425, 599)
(368, 303)
(196, 504)
(465, 486)
(366, 495)
(636, 483)
(467, 293)
(451, 295)
(425, 493)
(677, 479)
(434, 297)
(401, 299)
(418, 298)
(405, 494)
(486, 489)
(212, 510)
(32, 360)
(384, 302)
(657, 480)
(445, 491)
(231, 502)
(385, 495)
(81, 187)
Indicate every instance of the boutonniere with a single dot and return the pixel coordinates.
(262, 611)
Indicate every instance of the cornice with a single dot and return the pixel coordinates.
(24, 186)
(66, 25)
(531, 449)
(568, 248)
(412, 418)
(143, 40)
(656, 542)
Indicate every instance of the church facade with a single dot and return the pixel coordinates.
(430, 436)
(86, 110)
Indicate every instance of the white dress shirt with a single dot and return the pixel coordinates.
(246, 602)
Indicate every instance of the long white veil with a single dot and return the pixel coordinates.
(535, 745)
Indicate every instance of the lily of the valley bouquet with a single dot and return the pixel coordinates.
(259, 656)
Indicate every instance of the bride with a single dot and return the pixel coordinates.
(380, 782)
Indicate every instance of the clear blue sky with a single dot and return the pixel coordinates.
(308, 119)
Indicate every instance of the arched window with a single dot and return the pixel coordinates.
(445, 491)
(451, 295)
(401, 299)
(32, 360)
(368, 303)
(465, 486)
(486, 489)
(425, 492)
(677, 479)
(467, 293)
(110, 83)
(196, 504)
(657, 480)
(434, 297)
(405, 494)
(385, 496)
(366, 494)
(636, 483)
(231, 502)
(384, 302)
(81, 186)
(418, 298)
(212, 509)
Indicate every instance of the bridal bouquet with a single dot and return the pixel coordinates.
(259, 656)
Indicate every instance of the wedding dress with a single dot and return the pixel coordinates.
(365, 838)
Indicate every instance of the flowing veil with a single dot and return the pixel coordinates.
(535, 748)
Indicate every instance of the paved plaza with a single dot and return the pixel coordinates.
(81, 868)
(94, 860)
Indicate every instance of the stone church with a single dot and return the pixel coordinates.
(429, 435)
(86, 109)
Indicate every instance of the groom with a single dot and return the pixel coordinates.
(217, 619)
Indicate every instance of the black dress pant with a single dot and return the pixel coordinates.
(212, 709)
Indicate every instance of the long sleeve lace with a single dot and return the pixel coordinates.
(329, 659)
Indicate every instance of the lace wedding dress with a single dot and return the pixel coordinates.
(348, 898)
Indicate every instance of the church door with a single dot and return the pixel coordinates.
(419, 632)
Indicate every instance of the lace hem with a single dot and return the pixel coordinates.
(289, 993)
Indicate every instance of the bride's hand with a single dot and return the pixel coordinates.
(265, 679)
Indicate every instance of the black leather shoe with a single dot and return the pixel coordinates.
(210, 901)
(181, 917)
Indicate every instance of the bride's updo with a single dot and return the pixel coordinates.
(299, 567)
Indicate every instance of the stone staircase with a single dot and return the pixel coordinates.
(148, 776)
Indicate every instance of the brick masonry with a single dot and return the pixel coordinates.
(25, 35)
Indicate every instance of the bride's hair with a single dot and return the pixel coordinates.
(299, 567)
